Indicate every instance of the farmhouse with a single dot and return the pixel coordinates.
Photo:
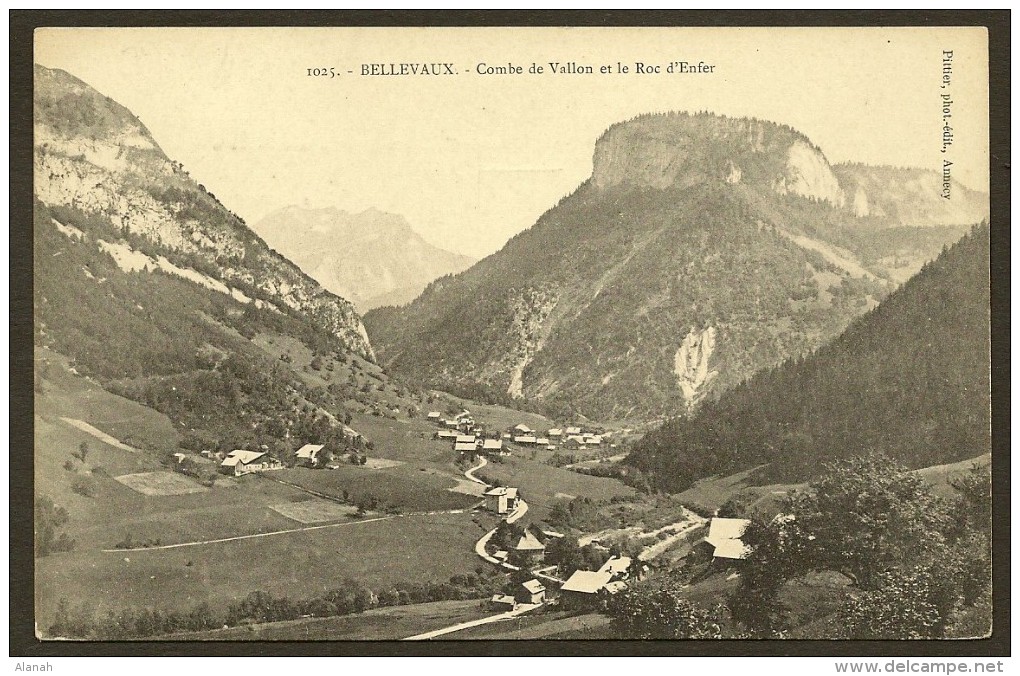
(530, 547)
(504, 601)
(492, 445)
(531, 591)
(451, 424)
(434, 416)
(581, 589)
(724, 535)
(592, 440)
(465, 439)
(555, 433)
(542, 441)
(245, 462)
(465, 447)
(501, 499)
(446, 434)
(309, 454)
(573, 431)
(574, 443)
(526, 439)
(522, 429)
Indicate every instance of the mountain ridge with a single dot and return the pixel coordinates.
(689, 222)
(372, 257)
(95, 157)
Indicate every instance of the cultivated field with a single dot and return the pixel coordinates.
(402, 487)
(540, 483)
(398, 550)
(161, 483)
(378, 624)
(315, 511)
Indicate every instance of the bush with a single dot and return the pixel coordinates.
(85, 486)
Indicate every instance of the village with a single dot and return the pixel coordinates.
(533, 555)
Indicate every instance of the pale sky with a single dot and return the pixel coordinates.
(470, 160)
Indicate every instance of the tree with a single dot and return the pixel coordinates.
(867, 514)
(656, 609)
(48, 518)
(83, 451)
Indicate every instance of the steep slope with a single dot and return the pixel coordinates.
(153, 290)
(372, 258)
(702, 250)
(93, 157)
(910, 379)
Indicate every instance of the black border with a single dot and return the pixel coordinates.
(22, 23)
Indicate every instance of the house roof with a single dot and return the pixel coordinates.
(573, 430)
(724, 534)
(574, 437)
(526, 439)
(522, 428)
(542, 440)
(435, 414)
(528, 543)
(503, 598)
(552, 534)
(242, 457)
(550, 447)
(593, 439)
(501, 555)
(616, 564)
(309, 450)
(465, 438)
(446, 434)
(462, 446)
(502, 490)
(725, 529)
(586, 581)
(492, 444)
(534, 586)
(731, 548)
(555, 432)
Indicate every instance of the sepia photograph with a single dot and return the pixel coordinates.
(511, 333)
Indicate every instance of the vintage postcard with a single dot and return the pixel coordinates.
(488, 333)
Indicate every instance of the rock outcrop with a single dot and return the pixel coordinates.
(94, 156)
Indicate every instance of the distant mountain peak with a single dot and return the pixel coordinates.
(373, 257)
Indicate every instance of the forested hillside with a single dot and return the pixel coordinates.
(702, 250)
(910, 379)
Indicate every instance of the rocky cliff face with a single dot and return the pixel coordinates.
(94, 156)
(660, 151)
(910, 197)
(740, 228)
(372, 258)
(692, 365)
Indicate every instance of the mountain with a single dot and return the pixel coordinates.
(910, 379)
(95, 157)
(701, 250)
(371, 258)
(147, 285)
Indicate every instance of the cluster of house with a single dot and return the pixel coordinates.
(467, 436)
(580, 590)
